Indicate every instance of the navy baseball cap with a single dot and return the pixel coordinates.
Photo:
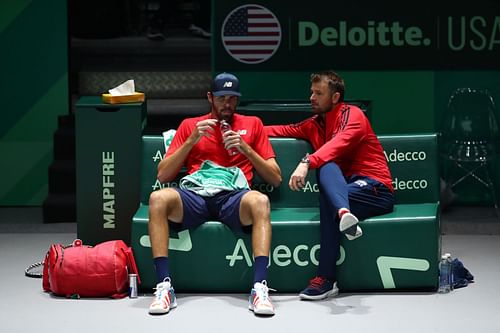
(225, 84)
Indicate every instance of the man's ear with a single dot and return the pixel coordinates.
(335, 97)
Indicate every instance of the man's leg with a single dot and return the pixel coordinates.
(255, 210)
(332, 197)
(336, 193)
(329, 239)
(164, 205)
(368, 198)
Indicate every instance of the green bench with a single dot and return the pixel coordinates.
(399, 250)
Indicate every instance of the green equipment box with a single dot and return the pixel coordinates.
(108, 158)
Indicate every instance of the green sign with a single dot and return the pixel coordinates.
(34, 93)
(358, 35)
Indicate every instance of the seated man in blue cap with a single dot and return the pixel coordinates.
(201, 146)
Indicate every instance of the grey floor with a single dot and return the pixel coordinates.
(471, 235)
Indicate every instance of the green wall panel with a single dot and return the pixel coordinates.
(402, 101)
(9, 10)
(33, 37)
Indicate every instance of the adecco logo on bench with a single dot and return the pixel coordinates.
(158, 185)
(281, 255)
(396, 156)
(409, 184)
(266, 188)
(406, 156)
(301, 255)
(310, 187)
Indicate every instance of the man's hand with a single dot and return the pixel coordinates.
(298, 177)
(169, 166)
(233, 139)
(203, 128)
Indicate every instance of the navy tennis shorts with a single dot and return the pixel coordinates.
(223, 207)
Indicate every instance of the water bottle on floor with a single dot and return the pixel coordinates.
(450, 276)
(444, 275)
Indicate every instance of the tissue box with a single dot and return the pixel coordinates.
(133, 98)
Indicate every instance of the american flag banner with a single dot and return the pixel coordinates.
(251, 34)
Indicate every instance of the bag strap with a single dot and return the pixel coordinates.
(34, 270)
(37, 269)
(131, 262)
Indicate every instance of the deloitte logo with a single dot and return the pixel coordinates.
(372, 34)
(251, 34)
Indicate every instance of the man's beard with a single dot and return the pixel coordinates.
(318, 110)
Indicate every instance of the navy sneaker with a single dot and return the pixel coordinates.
(319, 288)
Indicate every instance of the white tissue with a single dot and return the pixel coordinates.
(126, 88)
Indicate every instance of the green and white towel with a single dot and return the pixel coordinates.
(168, 136)
(212, 178)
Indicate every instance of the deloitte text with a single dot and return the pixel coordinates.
(373, 34)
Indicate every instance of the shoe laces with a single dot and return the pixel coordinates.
(264, 282)
(262, 291)
(160, 290)
(317, 282)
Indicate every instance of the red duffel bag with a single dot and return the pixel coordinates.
(80, 270)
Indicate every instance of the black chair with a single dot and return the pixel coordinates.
(469, 136)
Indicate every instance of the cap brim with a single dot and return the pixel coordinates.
(226, 93)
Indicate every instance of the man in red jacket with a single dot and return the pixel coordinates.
(352, 173)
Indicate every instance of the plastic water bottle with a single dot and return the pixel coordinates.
(450, 260)
(444, 275)
(224, 127)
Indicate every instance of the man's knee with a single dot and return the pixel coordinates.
(257, 200)
(329, 168)
(160, 199)
(254, 208)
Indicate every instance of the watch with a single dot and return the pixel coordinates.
(305, 159)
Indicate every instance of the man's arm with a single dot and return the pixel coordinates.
(169, 166)
(268, 169)
(342, 143)
(298, 177)
(288, 131)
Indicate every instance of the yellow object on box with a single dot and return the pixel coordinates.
(133, 98)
